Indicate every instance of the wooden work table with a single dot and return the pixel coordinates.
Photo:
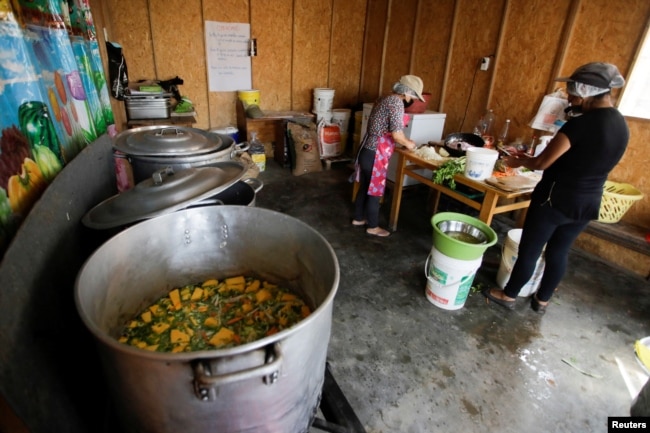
(494, 200)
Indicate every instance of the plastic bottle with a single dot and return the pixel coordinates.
(258, 154)
(502, 138)
(489, 123)
(479, 128)
(488, 133)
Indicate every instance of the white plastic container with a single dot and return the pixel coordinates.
(342, 117)
(480, 162)
(449, 280)
(508, 259)
(323, 100)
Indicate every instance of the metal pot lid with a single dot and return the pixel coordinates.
(168, 140)
(164, 192)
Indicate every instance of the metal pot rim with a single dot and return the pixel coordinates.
(170, 141)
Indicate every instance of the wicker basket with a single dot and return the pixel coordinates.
(617, 199)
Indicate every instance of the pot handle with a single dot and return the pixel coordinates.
(242, 147)
(205, 381)
(255, 183)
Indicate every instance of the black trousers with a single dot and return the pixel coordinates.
(544, 225)
(366, 206)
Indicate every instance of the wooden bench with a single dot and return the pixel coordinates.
(627, 235)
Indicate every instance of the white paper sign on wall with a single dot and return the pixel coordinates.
(229, 65)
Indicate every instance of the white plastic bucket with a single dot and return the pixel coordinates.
(508, 259)
(320, 115)
(480, 161)
(342, 117)
(323, 100)
(449, 280)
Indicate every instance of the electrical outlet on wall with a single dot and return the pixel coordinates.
(485, 63)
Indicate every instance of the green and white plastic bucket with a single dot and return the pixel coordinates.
(449, 280)
(455, 248)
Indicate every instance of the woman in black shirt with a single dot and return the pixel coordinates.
(576, 164)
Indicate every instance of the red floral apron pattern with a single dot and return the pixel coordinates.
(385, 147)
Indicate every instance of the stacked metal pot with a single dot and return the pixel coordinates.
(269, 385)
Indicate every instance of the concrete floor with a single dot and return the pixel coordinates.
(407, 365)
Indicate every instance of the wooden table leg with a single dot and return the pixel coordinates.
(397, 193)
(488, 206)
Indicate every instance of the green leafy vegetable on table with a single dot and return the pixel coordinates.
(444, 175)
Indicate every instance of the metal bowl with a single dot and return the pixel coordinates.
(463, 232)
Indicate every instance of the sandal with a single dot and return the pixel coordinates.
(510, 305)
(378, 231)
(358, 223)
(536, 306)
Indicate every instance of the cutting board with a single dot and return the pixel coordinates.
(514, 183)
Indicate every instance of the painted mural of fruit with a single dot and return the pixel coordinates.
(54, 103)
(36, 124)
(47, 162)
(25, 188)
(65, 119)
(74, 113)
(60, 87)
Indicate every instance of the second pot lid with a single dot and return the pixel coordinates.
(164, 192)
(167, 140)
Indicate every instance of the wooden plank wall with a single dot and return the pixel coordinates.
(361, 47)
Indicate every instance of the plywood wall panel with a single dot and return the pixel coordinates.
(399, 42)
(373, 50)
(633, 169)
(623, 257)
(348, 27)
(311, 50)
(187, 60)
(271, 26)
(222, 108)
(612, 40)
(468, 87)
(134, 35)
(524, 67)
(432, 36)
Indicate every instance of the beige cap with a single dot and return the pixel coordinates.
(414, 83)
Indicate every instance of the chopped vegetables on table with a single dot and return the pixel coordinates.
(215, 315)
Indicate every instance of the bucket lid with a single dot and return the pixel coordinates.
(169, 140)
(164, 192)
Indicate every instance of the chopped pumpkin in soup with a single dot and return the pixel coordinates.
(214, 315)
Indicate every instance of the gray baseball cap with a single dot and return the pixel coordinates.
(597, 74)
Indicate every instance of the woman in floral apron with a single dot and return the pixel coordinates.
(384, 130)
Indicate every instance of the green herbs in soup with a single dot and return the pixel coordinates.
(214, 315)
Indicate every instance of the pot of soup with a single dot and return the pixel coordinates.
(229, 381)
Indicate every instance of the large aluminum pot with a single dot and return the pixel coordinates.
(152, 148)
(270, 385)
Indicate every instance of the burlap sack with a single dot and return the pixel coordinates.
(252, 169)
(303, 148)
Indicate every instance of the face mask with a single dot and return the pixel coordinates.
(573, 110)
(409, 103)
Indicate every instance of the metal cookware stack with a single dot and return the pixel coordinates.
(272, 384)
(151, 148)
